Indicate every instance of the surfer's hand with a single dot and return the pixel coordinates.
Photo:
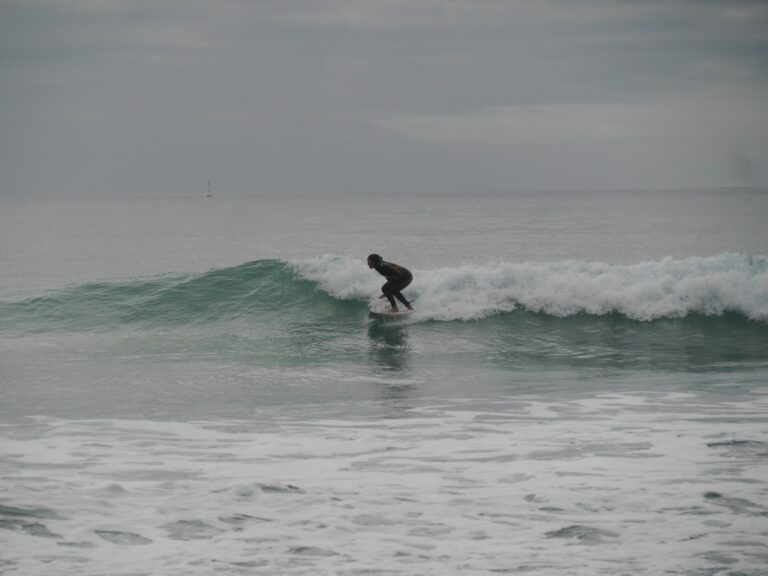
(382, 296)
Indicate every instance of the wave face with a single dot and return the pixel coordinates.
(732, 284)
(218, 295)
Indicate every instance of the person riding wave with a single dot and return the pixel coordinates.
(397, 277)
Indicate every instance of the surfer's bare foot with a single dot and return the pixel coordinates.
(395, 310)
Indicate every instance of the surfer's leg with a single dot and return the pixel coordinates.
(389, 290)
(402, 299)
(396, 288)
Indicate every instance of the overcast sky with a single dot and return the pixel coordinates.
(370, 96)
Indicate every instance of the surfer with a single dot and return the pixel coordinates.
(397, 279)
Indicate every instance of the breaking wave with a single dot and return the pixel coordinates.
(333, 285)
(670, 288)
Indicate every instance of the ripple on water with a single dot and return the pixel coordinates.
(31, 528)
(25, 519)
(739, 448)
(240, 519)
(313, 551)
(584, 534)
(120, 537)
(190, 530)
(736, 505)
(372, 520)
(34, 512)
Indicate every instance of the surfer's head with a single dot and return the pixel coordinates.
(374, 260)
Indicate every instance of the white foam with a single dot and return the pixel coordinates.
(669, 288)
(540, 486)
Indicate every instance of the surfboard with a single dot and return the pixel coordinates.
(387, 314)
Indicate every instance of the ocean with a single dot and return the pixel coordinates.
(193, 385)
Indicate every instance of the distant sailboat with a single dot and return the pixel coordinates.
(210, 194)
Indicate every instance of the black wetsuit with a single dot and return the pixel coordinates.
(397, 279)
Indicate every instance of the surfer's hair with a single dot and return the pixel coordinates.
(375, 258)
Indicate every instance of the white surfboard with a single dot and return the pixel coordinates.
(387, 314)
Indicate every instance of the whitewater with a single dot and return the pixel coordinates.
(194, 385)
(669, 288)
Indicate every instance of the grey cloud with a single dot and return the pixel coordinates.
(330, 94)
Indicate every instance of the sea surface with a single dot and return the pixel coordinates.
(193, 385)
